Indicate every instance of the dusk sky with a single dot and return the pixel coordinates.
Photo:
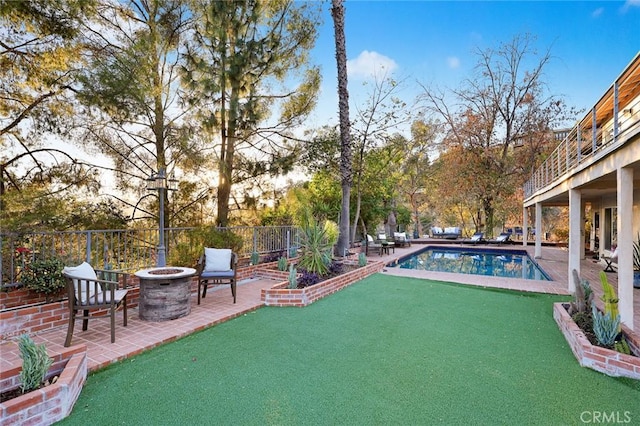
(433, 42)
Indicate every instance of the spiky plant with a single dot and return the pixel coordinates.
(282, 263)
(605, 327)
(35, 363)
(609, 297)
(315, 248)
(293, 277)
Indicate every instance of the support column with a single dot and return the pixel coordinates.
(525, 225)
(538, 250)
(625, 244)
(575, 234)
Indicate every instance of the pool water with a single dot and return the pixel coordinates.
(491, 262)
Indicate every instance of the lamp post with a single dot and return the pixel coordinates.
(159, 182)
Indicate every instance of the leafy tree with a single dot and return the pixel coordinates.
(39, 57)
(131, 93)
(417, 180)
(243, 54)
(383, 112)
(501, 124)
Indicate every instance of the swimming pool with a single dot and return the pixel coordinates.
(463, 260)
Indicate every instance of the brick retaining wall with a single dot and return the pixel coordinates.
(52, 403)
(279, 295)
(604, 360)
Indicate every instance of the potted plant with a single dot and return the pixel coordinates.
(636, 262)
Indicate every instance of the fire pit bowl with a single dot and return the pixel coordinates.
(165, 293)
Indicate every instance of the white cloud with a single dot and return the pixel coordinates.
(370, 64)
(453, 62)
(596, 13)
(629, 4)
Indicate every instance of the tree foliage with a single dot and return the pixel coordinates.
(239, 60)
(39, 59)
(500, 125)
(130, 90)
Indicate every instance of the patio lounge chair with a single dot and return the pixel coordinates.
(371, 244)
(87, 293)
(609, 260)
(217, 266)
(504, 237)
(401, 239)
(475, 238)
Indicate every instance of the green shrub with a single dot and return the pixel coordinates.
(282, 263)
(44, 275)
(584, 321)
(622, 346)
(35, 363)
(191, 244)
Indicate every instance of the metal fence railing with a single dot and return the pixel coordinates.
(124, 249)
(605, 128)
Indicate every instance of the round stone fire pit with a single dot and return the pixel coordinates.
(165, 293)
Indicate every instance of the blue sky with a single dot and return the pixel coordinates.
(433, 42)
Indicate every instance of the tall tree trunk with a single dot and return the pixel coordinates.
(489, 210)
(337, 12)
(356, 215)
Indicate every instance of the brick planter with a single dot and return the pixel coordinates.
(604, 360)
(279, 295)
(51, 403)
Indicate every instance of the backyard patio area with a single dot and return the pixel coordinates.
(218, 307)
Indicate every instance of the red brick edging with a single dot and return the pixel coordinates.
(51, 403)
(279, 295)
(604, 360)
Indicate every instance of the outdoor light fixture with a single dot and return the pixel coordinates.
(159, 182)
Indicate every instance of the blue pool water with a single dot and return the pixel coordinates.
(492, 262)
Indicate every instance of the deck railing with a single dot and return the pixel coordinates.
(124, 250)
(611, 123)
(576, 149)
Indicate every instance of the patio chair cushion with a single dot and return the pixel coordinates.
(400, 236)
(82, 276)
(217, 274)
(217, 259)
(101, 298)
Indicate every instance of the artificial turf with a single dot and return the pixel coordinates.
(386, 350)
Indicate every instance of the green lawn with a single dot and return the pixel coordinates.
(387, 350)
